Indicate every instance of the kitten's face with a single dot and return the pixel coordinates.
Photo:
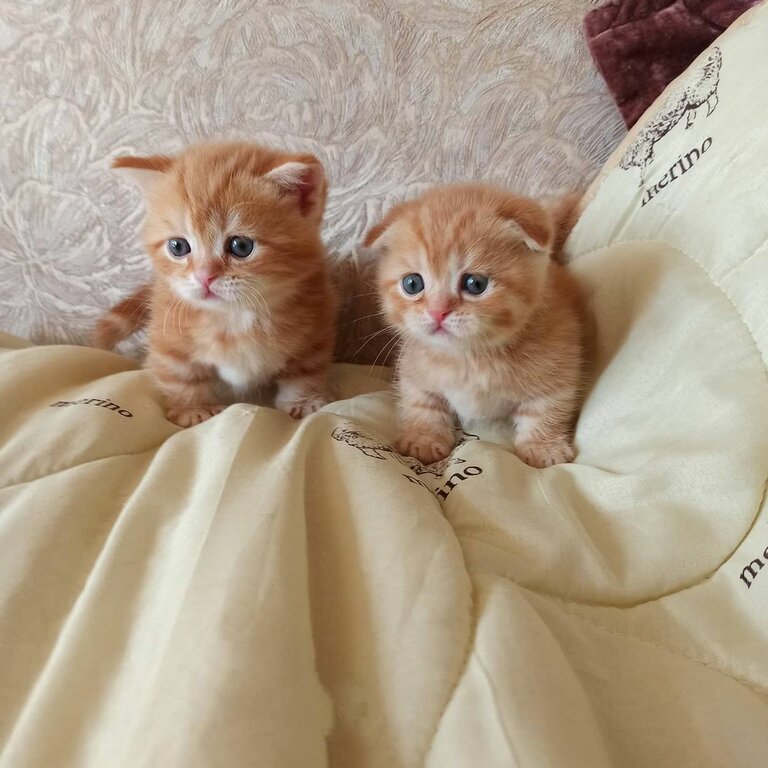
(227, 224)
(463, 268)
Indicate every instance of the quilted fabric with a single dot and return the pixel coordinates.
(392, 96)
(259, 592)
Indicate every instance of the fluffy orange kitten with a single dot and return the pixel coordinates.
(491, 324)
(242, 294)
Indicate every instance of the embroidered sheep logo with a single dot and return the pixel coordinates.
(684, 101)
(375, 449)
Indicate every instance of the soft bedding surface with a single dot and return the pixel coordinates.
(260, 592)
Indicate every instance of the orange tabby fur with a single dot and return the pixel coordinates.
(513, 351)
(219, 325)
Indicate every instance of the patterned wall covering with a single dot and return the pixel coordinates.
(392, 96)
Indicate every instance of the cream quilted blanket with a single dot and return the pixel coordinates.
(255, 592)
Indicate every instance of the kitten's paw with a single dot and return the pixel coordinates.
(298, 409)
(426, 448)
(188, 417)
(542, 455)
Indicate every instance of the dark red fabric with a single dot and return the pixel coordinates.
(640, 46)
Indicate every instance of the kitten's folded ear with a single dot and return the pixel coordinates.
(375, 232)
(528, 221)
(143, 171)
(304, 179)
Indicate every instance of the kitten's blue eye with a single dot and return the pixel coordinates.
(240, 247)
(178, 247)
(413, 284)
(474, 284)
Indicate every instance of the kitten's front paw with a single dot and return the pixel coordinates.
(298, 409)
(542, 455)
(427, 448)
(188, 417)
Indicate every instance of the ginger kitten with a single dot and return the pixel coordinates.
(242, 294)
(491, 325)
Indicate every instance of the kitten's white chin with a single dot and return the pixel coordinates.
(478, 342)
(211, 301)
(197, 297)
(444, 340)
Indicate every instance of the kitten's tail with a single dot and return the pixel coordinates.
(565, 214)
(122, 320)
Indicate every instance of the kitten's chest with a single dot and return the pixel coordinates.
(242, 356)
(483, 392)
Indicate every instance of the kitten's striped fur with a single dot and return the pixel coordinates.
(266, 318)
(513, 352)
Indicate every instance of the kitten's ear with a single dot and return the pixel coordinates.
(529, 222)
(375, 232)
(304, 179)
(143, 171)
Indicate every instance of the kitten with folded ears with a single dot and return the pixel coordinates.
(242, 294)
(491, 323)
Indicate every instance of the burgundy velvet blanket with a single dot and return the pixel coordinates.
(640, 46)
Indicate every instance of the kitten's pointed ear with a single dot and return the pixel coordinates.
(376, 232)
(529, 222)
(304, 179)
(143, 171)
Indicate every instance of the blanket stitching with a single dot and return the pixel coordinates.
(765, 373)
(468, 652)
(744, 260)
(16, 483)
(497, 710)
(708, 663)
(649, 240)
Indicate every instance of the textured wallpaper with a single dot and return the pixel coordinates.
(393, 97)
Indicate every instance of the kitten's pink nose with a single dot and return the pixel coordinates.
(438, 315)
(205, 278)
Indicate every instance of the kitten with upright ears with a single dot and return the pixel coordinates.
(491, 324)
(242, 294)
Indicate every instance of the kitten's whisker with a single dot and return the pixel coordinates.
(186, 314)
(177, 313)
(260, 302)
(259, 305)
(377, 332)
(144, 305)
(168, 312)
(240, 302)
(265, 304)
(390, 345)
(368, 339)
(246, 202)
(247, 302)
(408, 341)
(388, 348)
(173, 309)
(368, 317)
